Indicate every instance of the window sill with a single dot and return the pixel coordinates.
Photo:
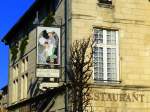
(15, 102)
(104, 5)
(23, 99)
(106, 82)
(18, 101)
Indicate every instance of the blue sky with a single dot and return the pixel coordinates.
(10, 12)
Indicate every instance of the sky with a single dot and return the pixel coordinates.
(10, 12)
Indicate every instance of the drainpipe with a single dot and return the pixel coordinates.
(66, 46)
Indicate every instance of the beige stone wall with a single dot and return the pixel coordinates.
(30, 52)
(59, 103)
(125, 99)
(132, 19)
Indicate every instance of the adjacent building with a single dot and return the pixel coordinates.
(121, 58)
(0, 101)
(4, 99)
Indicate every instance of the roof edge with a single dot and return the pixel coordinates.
(5, 38)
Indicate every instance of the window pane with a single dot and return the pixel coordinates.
(111, 64)
(98, 63)
(111, 37)
(98, 35)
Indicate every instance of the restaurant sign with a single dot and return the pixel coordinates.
(117, 97)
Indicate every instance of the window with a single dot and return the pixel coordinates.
(15, 72)
(105, 56)
(105, 1)
(15, 83)
(24, 86)
(24, 65)
(15, 91)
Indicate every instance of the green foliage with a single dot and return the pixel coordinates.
(49, 19)
(14, 52)
(23, 45)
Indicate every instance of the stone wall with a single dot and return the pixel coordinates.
(132, 19)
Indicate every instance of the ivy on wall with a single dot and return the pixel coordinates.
(14, 49)
(14, 52)
(23, 45)
(49, 19)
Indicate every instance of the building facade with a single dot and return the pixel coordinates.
(122, 50)
(4, 99)
(0, 101)
(121, 74)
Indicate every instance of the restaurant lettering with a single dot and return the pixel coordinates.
(123, 97)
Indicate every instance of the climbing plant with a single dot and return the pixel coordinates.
(23, 45)
(49, 19)
(14, 52)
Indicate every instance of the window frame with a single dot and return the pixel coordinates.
(104, 45)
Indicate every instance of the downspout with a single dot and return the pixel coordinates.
(66, 46)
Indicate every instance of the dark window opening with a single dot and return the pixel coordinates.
(105, 1)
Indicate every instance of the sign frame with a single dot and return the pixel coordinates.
(48, 55)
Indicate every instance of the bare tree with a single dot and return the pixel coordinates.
(80, 72)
